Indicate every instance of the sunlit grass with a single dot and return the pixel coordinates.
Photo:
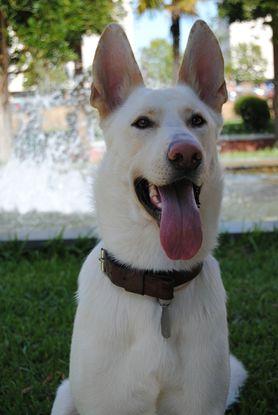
(267, 153)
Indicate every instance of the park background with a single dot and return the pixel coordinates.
(50, 147)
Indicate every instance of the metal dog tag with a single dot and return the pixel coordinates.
(165, 318)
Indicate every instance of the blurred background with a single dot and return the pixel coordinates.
(50, 141)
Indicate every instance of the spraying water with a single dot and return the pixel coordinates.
(50, 169)
(57, 145)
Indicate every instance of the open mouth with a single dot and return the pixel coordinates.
(175, 207)
(149, 195)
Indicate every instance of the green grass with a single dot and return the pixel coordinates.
(37, 309)
(237, 127)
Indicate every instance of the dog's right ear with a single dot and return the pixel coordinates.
(115, 71)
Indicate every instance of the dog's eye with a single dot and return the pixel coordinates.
(197, 120)
(142, 123)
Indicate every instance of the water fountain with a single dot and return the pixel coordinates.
(46, 186)
(48, 178)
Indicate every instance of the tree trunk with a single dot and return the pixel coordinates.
(78, 65)
(5, 119)
(175, 31)
(274, 26)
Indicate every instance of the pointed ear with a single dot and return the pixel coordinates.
(203, 66)
(115, 71)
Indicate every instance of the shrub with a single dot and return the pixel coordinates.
(254, 112)
(239, 127)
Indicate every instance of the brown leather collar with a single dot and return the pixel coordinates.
(158, 284)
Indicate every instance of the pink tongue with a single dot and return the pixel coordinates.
(180, 224)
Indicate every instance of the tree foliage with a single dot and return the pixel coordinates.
(241, 10)
(51, 30)
(177, 9)
(248, 9)
(178, 6)
(248, 63)
(157, 62)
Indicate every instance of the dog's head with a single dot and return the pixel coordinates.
(159, 187)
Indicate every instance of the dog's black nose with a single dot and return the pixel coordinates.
(185, 155)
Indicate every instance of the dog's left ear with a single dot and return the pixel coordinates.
(202, 67)
(115, 71)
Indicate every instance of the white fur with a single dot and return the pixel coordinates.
(237, 380)
(63, 404)
(120, 364)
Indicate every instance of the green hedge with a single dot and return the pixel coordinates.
(254, 112)
(238, 127)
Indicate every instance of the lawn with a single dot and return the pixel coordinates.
(37, 308)
(265, 154)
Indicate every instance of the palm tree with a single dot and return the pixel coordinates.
(177, 8)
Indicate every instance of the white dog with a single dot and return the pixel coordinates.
(158, 195)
